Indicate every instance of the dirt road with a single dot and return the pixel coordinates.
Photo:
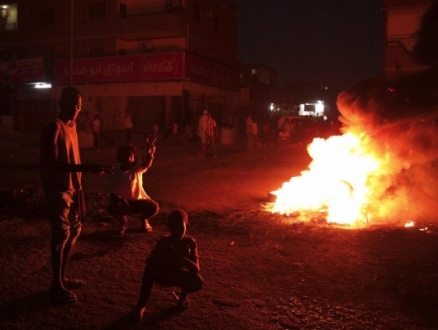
(262, 271)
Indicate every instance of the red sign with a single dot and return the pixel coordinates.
(26, 70)
(210, 73)
(148, 67)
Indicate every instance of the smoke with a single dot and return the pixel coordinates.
(426, 47)
(400, 118)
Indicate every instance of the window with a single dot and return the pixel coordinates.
(196, 13)
(97, 11)
(214, 21)
(8, 17)
(48, 64)
(97, 52)
(47, 16)
(123, 10)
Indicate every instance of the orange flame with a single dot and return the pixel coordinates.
(336, 181)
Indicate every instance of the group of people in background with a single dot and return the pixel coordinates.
(274, 131)
(286, 130)
(172, 262)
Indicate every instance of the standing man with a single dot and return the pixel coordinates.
(202, 126)
(95, 129)
(60, 168)
(210, 135)
(250, 133)
(128, 127)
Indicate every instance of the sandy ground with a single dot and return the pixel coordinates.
(262, 270)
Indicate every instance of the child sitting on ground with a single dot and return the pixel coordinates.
(127, 195)
(172, 262)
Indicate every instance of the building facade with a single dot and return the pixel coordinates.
(403, 22)
(259, 90)
(164, 60)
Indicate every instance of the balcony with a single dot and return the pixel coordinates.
(147, 25)
(407, 2)
(126, 11)
(408, 41)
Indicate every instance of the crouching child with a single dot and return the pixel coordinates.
(127, 194)
(173, 262)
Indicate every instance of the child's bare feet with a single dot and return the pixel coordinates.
(62, 296)
(73, 283)
(139, 313)
(123, 225)
(181, 302)
(122, 230)
(146, 226)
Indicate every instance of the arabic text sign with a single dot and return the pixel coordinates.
(26, 70)
(122, 68)
(210, 73)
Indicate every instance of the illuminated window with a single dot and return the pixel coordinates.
(8, 17)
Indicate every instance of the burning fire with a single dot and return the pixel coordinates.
(383, 169)
(337, 181)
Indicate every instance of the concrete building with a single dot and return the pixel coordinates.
(259, 91)
(403, 22)
(258, 84)
(163, 60)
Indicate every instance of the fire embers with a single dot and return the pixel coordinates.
(382, 168)
(336, 182)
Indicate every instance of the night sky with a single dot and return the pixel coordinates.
(337, 42)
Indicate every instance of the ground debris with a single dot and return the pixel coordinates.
(225, 303)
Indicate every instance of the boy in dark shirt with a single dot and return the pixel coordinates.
(172, 262)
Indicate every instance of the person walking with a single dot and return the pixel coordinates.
(156, 129)
(202, 126)
(60, 168)
(129, 125)
(250, 133)
(95, 129)
(211, 135)
(255, 130)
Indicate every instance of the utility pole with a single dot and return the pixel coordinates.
(71, 41)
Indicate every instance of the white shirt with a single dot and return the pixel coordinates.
(95, 126)
(128, 122)
(128, 184)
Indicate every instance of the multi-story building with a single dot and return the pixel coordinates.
(403, 22)
(258, 84)
(158, 59)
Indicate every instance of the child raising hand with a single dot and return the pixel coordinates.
(127, 195)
